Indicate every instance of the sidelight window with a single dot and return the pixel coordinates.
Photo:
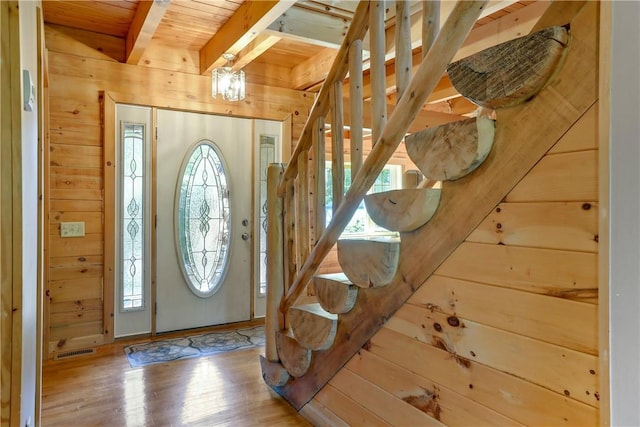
(132, 242)
(267, 156)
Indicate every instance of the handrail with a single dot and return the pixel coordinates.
(320, 108)
(447, 43)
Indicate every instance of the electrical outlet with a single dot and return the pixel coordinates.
(72, 229)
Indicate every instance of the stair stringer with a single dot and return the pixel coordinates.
(524, 134)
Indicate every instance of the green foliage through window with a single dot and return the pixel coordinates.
(388, 179)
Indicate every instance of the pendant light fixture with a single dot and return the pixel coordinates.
(226, 83)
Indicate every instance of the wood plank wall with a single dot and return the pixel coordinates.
(82, 64)
(505, 331)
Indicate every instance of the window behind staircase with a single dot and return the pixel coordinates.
(390, 178)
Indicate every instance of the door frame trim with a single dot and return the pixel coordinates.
(108, 101)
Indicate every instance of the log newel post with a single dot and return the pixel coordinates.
(274, 320)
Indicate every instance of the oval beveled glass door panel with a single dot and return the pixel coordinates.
(203, 219)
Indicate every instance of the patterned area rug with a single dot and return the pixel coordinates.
(193, 346)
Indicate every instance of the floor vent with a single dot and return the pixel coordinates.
(74, 353)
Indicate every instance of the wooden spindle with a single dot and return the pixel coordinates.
(319, 192)
(377, 70)
(337, 146)
(430, 24)
(302, 209)
(291, 251)
(403, 47)
(274, 320)
(355, 99)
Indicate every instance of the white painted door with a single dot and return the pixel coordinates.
(178, 307)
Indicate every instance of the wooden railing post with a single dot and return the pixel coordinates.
(337, 146)
(291, 250)
(274, 320)
(302, 209)
(430, 24)
(318, 189)
(403, 47)
(355, 99)
(378, 71)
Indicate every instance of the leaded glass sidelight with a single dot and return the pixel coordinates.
(203, 219)
(132, 216)
(267, 156)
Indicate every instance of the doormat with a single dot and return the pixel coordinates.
(193, 346)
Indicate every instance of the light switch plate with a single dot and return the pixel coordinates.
(72, 229)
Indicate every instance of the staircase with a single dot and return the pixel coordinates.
(308, 342)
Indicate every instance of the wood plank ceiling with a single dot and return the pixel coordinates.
(278, 43)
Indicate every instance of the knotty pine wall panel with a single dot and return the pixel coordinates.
(81, 66)
(505, 332)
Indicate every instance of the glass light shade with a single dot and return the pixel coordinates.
(227, 84)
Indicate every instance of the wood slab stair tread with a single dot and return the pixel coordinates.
(313, 327)
(335, 292)
(295, 358)
(403, 210)
(369, 263)
(453, 150)
(511, 72)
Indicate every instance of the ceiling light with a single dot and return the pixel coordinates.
(226, 83)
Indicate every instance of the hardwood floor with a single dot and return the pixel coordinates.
(103, 390)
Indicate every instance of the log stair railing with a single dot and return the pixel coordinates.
(295, 332)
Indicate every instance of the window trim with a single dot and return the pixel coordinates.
(177, 203)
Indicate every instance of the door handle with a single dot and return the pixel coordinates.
(245, 236)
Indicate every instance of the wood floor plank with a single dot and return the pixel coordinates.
(221, 390)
